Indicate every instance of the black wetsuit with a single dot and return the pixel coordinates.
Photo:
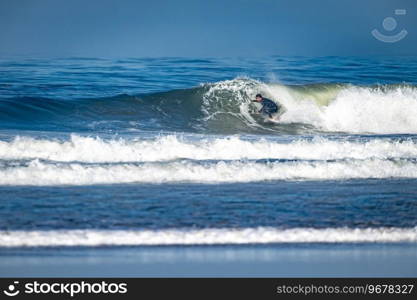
(269, 107)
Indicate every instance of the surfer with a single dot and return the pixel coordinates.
(269, 107)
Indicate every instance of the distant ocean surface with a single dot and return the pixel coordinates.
(170, 151)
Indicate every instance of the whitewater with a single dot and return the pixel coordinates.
(149, 152)
(261, 235)
(86, 160)
(380, 109)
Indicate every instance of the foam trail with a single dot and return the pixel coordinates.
(41, 173)
(259, 235)
(91, 150)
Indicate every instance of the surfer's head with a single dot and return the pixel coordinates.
(258, 97)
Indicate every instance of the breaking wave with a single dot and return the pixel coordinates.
(172, 158)
(38, 172)
(172, 147)
(225, 107)
(219, 236)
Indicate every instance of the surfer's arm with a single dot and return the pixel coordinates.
(261, 110)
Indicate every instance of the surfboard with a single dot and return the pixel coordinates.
(276, 118)
(272, 120)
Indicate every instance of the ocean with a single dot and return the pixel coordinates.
(126, 155)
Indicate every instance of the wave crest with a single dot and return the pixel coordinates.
(220, 236)
(225, 107)
(172, 147)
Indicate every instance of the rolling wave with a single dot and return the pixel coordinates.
(84, 160)
(225, 107)
(173, 147)
(45, 173)
(259, 235)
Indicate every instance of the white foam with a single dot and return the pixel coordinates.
(381, 110)
(41, 173)
(90, 149)
(352, 109)
(259, 235)
(240, 92)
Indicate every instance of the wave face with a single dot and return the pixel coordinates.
(87, 160)
(260, 235)
(225, 107)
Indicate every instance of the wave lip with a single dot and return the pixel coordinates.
(215, 236)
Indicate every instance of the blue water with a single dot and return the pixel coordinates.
(173, 145)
